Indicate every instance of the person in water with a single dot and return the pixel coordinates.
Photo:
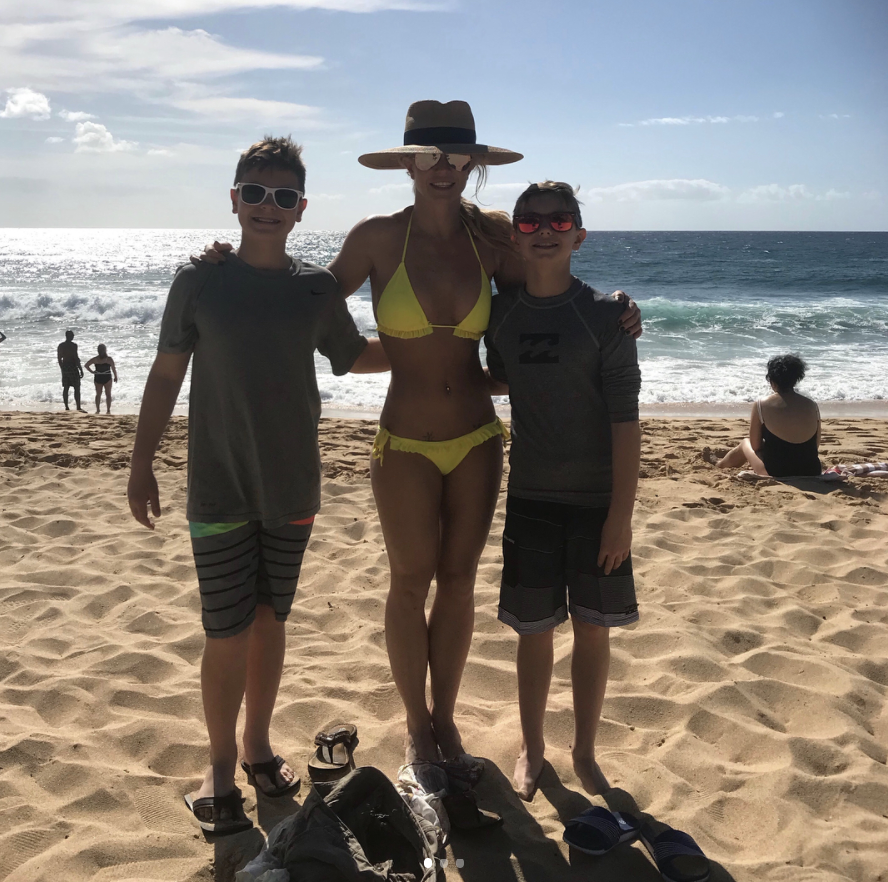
(784, 428)
(72, 370)
(573, 382)
(102, 366)
(436, 465)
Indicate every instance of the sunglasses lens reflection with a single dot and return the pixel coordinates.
(459, 160)
(527, 224)
(561, 223)
(253, 194)
(426, 161)
(287, 199)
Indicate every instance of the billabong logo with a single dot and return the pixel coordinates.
(537, 348)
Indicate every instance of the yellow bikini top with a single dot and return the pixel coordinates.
(399, 313)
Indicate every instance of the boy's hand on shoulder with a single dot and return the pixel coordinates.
(215, 253)
(630, 320)
(142, 491)
(616, 543)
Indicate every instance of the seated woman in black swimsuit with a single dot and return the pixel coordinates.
(784, 429)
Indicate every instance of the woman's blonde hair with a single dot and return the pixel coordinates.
(492, 227)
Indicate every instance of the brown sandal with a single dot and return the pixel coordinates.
(221, 815)
(334, 757)
(270, 769)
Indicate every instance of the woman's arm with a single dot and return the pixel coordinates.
(353, 264)
(113, 368)
(372, 360)
(91, 361)
(755, 428)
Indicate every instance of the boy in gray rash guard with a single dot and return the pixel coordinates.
(573, 381)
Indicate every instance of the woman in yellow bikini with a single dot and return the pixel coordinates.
(437, 459)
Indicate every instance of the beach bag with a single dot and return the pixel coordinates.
(361, 831)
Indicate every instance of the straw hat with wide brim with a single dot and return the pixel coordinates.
(433, 126)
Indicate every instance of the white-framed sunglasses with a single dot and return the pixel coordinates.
(284, 197)
(427, 161)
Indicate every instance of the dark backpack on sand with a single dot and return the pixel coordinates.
(360, 831)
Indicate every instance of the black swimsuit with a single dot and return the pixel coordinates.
(103, 374)
(784, 459)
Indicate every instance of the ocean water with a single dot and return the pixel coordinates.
(716, 306)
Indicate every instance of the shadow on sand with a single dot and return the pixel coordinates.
(520, 851)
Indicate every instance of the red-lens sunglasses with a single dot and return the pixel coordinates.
(559, 221)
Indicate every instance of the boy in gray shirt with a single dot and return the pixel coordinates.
(252, 325)
(573, 380)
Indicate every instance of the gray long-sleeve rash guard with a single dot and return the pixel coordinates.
(571, 373)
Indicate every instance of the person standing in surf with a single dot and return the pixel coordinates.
(101, 366)
(72, 369)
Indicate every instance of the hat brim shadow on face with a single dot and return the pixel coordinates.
(391, 159)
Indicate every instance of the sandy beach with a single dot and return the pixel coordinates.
(749, 707)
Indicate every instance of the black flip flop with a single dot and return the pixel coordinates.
(597, 830)
(222, 815)
(677, 856)
(270, 770)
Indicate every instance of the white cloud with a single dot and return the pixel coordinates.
(26, 103)
(871, 195)
(160, 151)
(698, 190)
(75, 115)
(778, 114)
(221, 107)
(114, 10)
(690, 120)
(327, 197)
(392, 188)
(95, 138)
(792, 193)
(835, 116)
(54, 140)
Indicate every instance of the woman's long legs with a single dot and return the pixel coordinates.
(99, 398)
(408, 491)
(467, 506)
(738, 456)
(108, 396)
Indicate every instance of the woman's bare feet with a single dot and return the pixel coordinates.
(590, 775)
(528, 769)
(447, 737)
(421, 747)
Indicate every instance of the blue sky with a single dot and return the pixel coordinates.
(687, 114)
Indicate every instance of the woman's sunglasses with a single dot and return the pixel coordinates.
(284, 197)
(560, 221)
(427, 161)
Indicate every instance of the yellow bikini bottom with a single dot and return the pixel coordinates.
(446, 455)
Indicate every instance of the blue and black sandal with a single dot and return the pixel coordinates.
(596, 831)
(677, 856)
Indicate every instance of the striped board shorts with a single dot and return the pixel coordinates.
(550, 556)
(245, 564)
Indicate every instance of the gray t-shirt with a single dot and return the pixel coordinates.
(571, 373)
(254, 405)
